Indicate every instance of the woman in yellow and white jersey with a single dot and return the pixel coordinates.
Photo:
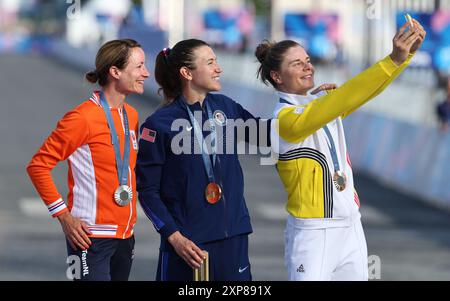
(324, 239)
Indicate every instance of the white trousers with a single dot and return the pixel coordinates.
(328, 254)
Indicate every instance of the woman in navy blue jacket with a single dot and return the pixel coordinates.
(194, 198)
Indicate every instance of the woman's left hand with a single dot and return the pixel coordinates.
(324, 87)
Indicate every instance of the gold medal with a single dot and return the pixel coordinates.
(213, 192)
(123, 195)
(340, 180)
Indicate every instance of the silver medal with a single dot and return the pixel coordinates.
(123, 195)
(340, 180)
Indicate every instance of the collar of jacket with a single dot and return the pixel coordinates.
(296, 99)
(181, 100)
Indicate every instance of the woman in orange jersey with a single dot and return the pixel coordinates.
(99, 140)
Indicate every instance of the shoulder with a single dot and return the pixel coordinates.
(221, 99)
(280, 107)
(225, 104)
(163, 117)
(76, 118)
(132, 113)
(130, 109)
(88, 108)
(284, 112)
(83, 110)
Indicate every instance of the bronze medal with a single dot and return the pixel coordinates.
(213, 192)
(340, 180)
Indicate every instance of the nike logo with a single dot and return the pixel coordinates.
(241, 270)
(189, 128)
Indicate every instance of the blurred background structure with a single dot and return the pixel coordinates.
(399, 144)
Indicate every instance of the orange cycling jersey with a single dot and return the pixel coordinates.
(83, 137)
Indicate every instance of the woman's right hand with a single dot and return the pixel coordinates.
(403, 42)
(187, 250)
(76, 231)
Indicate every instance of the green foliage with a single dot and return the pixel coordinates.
(262, 7)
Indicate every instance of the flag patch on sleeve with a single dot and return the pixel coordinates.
(148, 135)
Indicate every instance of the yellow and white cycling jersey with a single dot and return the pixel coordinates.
(305, 163)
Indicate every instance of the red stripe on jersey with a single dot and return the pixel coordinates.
(348, 160)
(357, 199)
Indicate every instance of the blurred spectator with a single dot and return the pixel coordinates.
(443, 110)
(318, 32)
(229, 29)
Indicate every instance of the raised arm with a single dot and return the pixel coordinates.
(296, 124)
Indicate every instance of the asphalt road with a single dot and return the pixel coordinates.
(410, 238)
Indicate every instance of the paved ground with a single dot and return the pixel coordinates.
(411, 239)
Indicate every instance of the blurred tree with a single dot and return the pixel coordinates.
(263, 11)
(262, 7)
(136, 2)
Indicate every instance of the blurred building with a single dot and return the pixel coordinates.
(342, 36)
(97, 21)
(27, 26)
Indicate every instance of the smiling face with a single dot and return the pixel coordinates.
(296, 74)
(206, 75)
(131, 78)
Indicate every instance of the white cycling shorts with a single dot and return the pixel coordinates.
(326, 254)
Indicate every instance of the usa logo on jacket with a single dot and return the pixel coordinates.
(220, 118)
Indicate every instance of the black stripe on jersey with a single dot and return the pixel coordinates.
(310, 153)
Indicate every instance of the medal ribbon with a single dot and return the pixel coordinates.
(332, 149)
(331, 145)
(201, 141)
(122, 166)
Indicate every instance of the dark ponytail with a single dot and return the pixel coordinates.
(169, 82)
(270, 55)
(168, 64)
(92, 77)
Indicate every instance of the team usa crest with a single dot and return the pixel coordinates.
(220, 118)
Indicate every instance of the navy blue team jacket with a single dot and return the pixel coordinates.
(171, 187)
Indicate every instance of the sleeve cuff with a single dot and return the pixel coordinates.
(410, 56)
(57, 208)
(168, 230)
(390, 67)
